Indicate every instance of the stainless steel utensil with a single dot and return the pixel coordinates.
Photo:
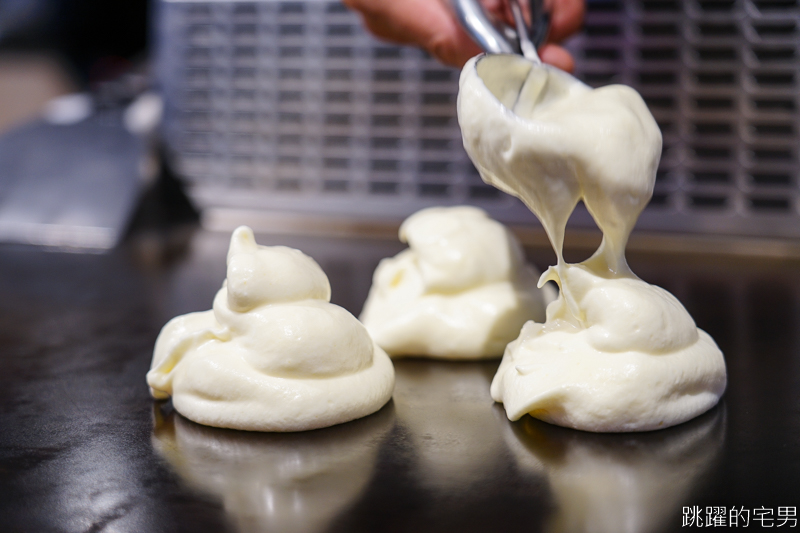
(496, 37)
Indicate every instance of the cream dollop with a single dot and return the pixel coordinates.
(462, 290)
(615, 353)
(274, 354)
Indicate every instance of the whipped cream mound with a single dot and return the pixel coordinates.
(637, 363)
(462, 290)
(614, 353)
(274, 354)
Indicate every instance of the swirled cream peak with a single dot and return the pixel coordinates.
(462, 290)
(615, 353)
(274, 354)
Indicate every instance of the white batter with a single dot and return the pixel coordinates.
(274, 354)
(462, 290)
(615, 353)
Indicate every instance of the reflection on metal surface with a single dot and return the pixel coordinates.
(276, 482)
(618, 483)
(446, 409)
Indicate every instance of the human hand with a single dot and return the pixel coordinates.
(432, 25)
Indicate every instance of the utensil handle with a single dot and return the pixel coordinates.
(505, 40)
(472, 16)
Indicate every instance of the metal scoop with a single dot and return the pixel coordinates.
(496, 37)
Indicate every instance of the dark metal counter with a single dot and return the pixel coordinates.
(84, 448)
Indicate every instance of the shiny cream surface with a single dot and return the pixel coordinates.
(462, 290)
(274, 354)
(614, 353)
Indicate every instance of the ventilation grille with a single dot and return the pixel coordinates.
(292, 106)
(721, 78)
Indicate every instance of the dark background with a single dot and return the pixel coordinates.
(98, 39)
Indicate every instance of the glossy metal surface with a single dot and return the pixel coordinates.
(495, 37)
(84, 448)
(481, 29)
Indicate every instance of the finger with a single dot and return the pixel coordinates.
(500, 9)
(425, 23)
(557, 56)
(454, 50)
(566, 18)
